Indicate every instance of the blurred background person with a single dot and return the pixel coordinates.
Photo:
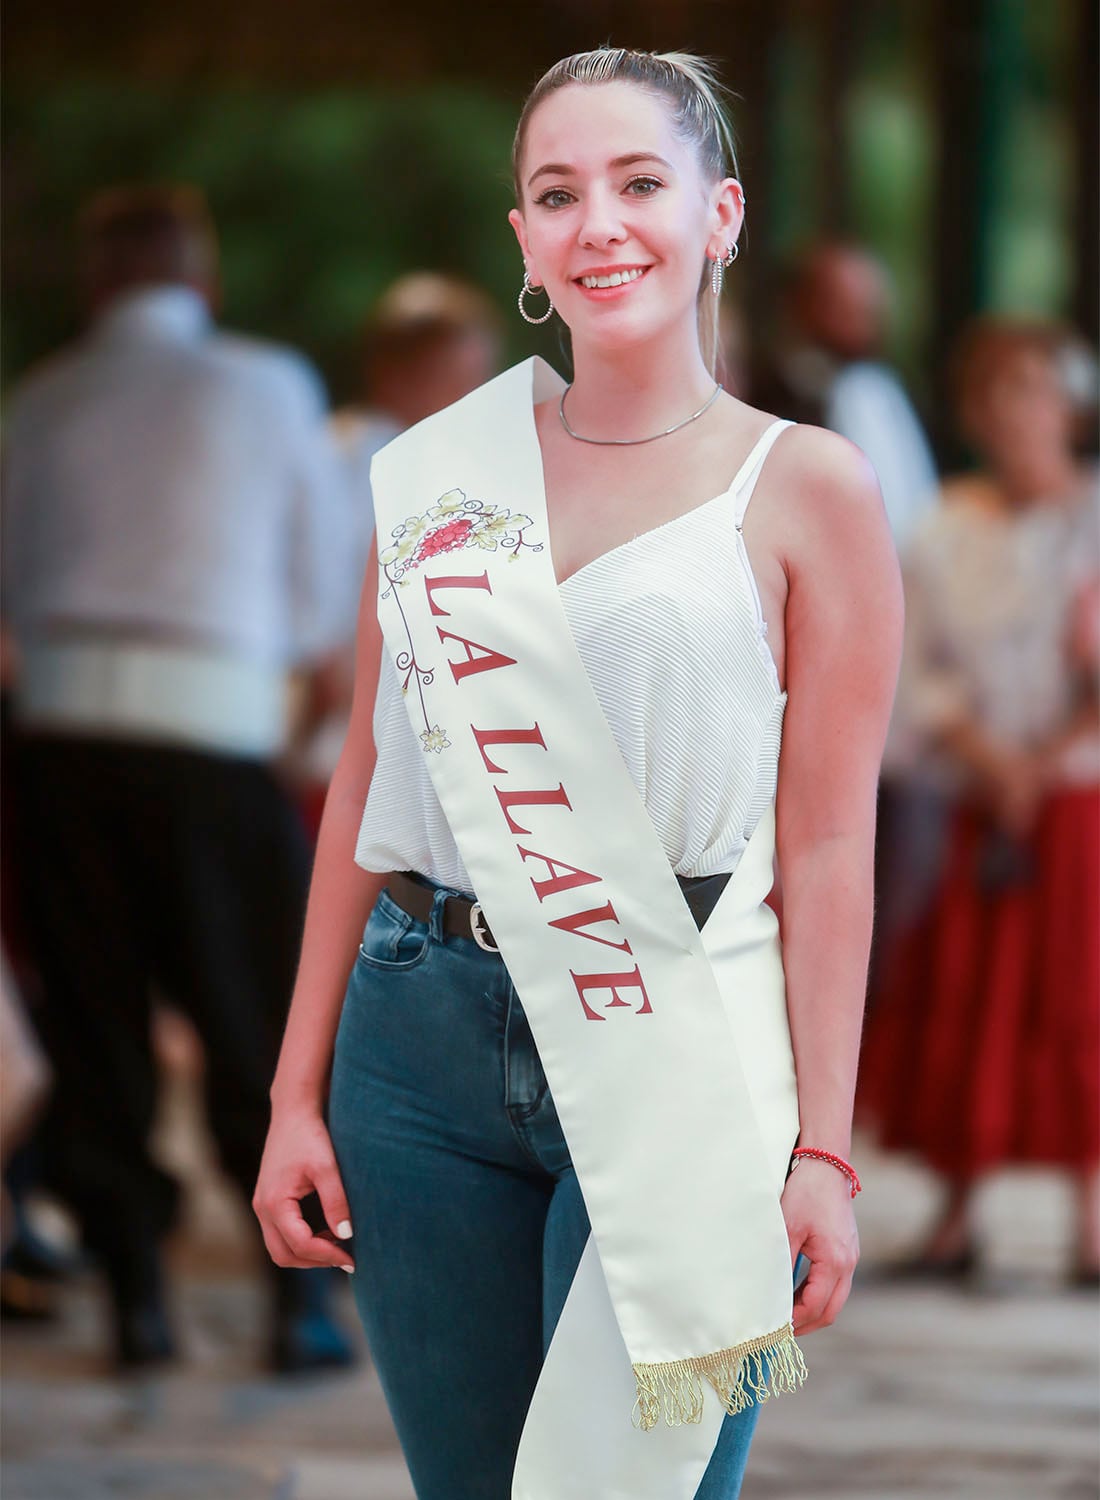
(829, 368)
(985, 1048)
(428, 341)
(174, 548)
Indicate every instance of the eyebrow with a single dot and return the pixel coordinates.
(560, 169)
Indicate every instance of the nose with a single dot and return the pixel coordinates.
(602, 222)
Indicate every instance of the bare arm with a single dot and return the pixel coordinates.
(298, 1157)
(843, 633)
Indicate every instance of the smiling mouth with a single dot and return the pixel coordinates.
(614, 278)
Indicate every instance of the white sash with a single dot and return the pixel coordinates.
(666, 1050)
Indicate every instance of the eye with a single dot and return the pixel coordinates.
(643, 187)
(554, 198)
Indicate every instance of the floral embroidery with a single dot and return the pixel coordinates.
(452, 524)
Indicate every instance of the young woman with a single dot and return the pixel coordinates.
(592, 650)
(984, 1045)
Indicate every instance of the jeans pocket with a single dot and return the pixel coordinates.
(392, 940)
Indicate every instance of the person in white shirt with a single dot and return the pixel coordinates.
(830, 370)
(174, 541)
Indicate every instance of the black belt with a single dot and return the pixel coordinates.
(464, 918)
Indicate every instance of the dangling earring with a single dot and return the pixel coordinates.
(527, 287)
(718, 268)
(717, 272)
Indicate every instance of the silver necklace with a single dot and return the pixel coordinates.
(632, 442)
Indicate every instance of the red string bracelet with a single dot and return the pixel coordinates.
(834, 1161)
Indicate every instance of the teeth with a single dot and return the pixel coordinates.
(615, 279)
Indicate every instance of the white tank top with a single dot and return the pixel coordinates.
(671, 633)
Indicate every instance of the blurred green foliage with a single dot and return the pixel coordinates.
(323, 196)
(321, 200)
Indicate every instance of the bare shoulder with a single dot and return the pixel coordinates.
(827, 477)
(825, 496)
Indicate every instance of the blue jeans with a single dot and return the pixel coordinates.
(468, 1220)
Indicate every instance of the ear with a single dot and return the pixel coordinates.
(727, 214)
(515, 218)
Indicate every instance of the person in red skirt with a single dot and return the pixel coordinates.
(983, 1047)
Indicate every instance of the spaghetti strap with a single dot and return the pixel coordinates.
(745, 480)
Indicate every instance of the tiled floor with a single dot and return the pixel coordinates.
(911, 1397)
(916, 1394)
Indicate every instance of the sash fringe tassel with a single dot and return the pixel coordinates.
(742, 1376)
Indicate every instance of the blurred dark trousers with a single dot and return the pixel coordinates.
(910, 848)
(150, 871)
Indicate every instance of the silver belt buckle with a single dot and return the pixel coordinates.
(477, 932)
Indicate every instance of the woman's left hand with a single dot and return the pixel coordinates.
(821, 1225)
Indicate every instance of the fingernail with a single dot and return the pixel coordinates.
(349, 1269)
(343, 1230)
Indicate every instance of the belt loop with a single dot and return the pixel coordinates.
(438, 911)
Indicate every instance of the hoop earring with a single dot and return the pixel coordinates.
(734, 252)
(527, 287)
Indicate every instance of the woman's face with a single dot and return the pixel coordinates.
(1024, 407)
(613, 193)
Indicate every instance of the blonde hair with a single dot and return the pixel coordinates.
(693, 88)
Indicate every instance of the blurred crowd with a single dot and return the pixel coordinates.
(186, 535)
